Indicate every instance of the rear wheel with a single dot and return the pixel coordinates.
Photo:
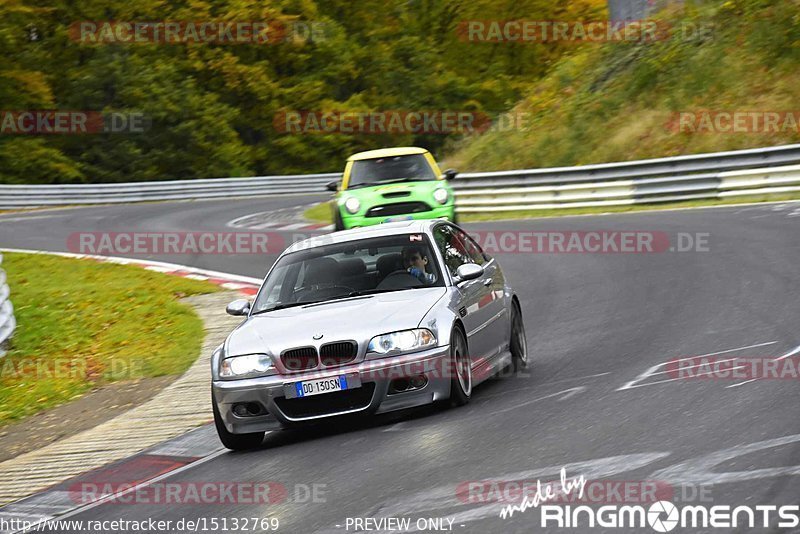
(518, 343)
(461, 382)
(235, 442)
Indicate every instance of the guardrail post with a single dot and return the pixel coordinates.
(7, 322)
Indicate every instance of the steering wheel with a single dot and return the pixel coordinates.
(399, 279)
(323, 291)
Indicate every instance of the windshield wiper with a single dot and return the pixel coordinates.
(375, 291)
(284, 305)
(372, 292)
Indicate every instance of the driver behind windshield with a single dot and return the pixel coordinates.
(415, 262)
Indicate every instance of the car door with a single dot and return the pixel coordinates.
(496, 330)
(474, 294)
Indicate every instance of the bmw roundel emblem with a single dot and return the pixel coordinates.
(317, 336)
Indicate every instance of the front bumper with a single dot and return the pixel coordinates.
(446, 211)
(374, 395)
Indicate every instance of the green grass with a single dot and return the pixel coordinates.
(616, 101)
(565, 212)
(83, 324)
(322, 212)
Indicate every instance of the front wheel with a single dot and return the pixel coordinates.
(518, 343)
(461, 382)
(235, 442)
(338, 223)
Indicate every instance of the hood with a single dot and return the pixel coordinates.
(358, 319)
(398, 192)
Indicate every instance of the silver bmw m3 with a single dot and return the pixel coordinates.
(369, 320)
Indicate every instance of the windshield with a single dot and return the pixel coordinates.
(351, 269)
(397, 168)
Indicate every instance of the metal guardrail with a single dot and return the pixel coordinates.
(701, 176)
(25, 196)
(704, 176)
(7, 322)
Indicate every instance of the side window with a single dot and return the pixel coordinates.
(452, 248)
(472, 248)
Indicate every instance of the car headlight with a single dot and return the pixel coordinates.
(352, 205)
(242, 366)
(441, 196)
(403, 341)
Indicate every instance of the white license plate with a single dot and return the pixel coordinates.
(399, 218)
(320, 386)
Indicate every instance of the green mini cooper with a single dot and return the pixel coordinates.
(393, 184)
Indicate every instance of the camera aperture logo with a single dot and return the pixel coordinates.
(663, 516)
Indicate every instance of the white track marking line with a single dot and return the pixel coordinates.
(633, 384)
(30, 218)
(579, 378)
(565, 394)
(235, 223)
(741, 383)
(694, 366)
(294, 226)
(792, 352)
(396, 427)
(137, 487)
(507, 391)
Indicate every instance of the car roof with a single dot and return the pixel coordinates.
(387, 153)
(366, 232)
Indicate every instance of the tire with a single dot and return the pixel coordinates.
(235, 442)
(338, 224)
(517, 341)
(461, 382)
(455, 217)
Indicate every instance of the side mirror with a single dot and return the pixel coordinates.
(449, 174)
(238, 307)
(332, 186)
(468, 271)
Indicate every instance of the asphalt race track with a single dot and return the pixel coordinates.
(599, 326)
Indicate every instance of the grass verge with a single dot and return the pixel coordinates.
(82, 324)
(322, 212)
